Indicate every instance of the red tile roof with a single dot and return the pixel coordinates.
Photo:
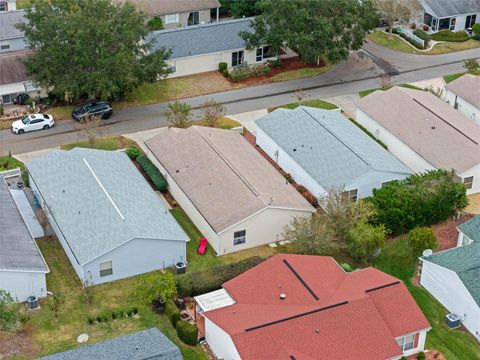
(326, 311)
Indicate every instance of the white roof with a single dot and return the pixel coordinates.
(214, 300)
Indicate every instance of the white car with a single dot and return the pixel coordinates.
(33, 122)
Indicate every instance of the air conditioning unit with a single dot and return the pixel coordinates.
(453, 321)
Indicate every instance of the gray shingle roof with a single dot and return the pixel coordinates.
(465, 261)
(468, 88)
(12, 70)
(329, 147)
(88, 219)
(445, 8)
(8, 19)
(471, 228)
(148, 344)
(224, 177)
(18, 250)
(201, 39)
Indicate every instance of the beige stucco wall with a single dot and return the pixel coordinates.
(204, 16)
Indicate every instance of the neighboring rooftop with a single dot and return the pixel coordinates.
(201, 39)
(163, 7)
(224, 186)
(18, 248)
(471, 228)
(148, 344)
(8, 20)
(468, 88)
(429, 126)
(329, 147)
(446, 8)
(12, 70)
(465, 261)
(324, 310)
(100, 200)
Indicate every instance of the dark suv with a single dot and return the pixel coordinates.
(98, 108)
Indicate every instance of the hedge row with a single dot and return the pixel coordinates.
(408, 39)
(172, 312)
(187, 332)
(196, 283)
(152, 172)
(242, 73)
(422, 35)
(107, 316)
(451, 36)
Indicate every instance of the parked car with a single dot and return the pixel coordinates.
(21, 99)
(33, 122)
(99, 108)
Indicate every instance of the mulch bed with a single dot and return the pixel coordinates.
(446, 232)
(17, 344)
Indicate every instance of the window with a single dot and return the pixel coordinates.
(106, 268)
(239, 237)
(351, 195)
(407, 342)
(171, 19)
(453, 21)
(193, 18)
(237, 58)
(4, 45)
(468, 182)
(3, 6)
(263, 53)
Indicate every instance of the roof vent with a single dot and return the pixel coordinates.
(136, 348)
(317, 330)
(427, 252)
(433, 127)
(282, 296)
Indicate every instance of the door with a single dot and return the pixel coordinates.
(35, 124)
(237, 58)
(434, 24)
(471, 19)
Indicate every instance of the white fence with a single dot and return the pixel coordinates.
(411, 35)
(10, 173)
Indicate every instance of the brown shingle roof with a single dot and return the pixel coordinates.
(12, 69)
(225, 178)
(468, 88)
(162, 7)
(429, 126)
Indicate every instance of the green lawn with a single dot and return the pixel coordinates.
(397, 261)
(369, 91)
(451, 77)
(61, 112)
(223, 123)
(23, 4)
(108, 143)
(300, 73)
(316, 103)
(8, 163)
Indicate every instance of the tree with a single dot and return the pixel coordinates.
(212, 112)
(90, 47)
(385, 81)
(321, 28)
(421, 238)
(364, 240)
(471, 65)
(179, 114)
(155, 23)
(55, 302)
(300, 95)
(9, 317)
(90, 128)
(156, 287)
(240, 8)
(397, 10)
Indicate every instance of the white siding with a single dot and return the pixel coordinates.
(21, 285)
(220, 342)
(475, 172)
(448, 289)
(464, 106)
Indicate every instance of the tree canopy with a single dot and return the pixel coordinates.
(313, 28)
(90, 47)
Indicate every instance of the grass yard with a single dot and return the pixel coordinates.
(223, 123)
(369, 91)
(61, 112)
(451, 77)
(8, 163)
(108, 143)
(397, 261)
(300, 73)
(316, 103)
(23, 4)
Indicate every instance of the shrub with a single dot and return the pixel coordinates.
(410, 40)
(422, 35)
(364, 240)
(471, 65)
(225, 73)
(129, 312)
(346, 267)
(99, 318)
(476, 28)
(187, 332)
(155, 23)
(222, 67)
(25, 178)
(419, 200)
(132, 152)
(154, 287)
(288, 177)
(91, 320)
(421, 238)
(172, 312)
(135, 310)
(114, 315)
(153, 173)
(451, 36)
(421, 356)
(301, 189)
(275, 63)
(184, 285)
(312, 199)
(242, 73)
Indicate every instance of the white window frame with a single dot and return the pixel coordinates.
(108, 262)
(242, 58)
(193, 17)
(5, 45)
(239, 239)
(404, 345)
(168, 19)
(351, 195)
(468, 182)
(3, 6)
(262, 56)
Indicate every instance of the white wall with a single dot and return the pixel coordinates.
(463, 239)
(372, 180)
(448, 289)
(464, 106)
(263, 228)
(475, 172)
(220, 342)
(22, 284)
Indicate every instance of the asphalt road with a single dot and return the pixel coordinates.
(359, 72)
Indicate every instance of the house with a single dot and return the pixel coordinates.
(454, 15)
(201, 48)
(308, 307)
(8, 5)
(322, 150)
(110, 222)
(451, 276)
(232, 194)
(464, 95)
(469, 231)
(11, 38)
(148, 344)
(424, 132)
(22, 266)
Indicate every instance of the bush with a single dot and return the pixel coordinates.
(312, 199)
(476, 28)
(132, 152)
(451, 36)
(99, 318)
(346, 267)
(276, 63)
(114, 315)
(155, 24)
(288, 177)
(471, 65)
(187, 332)
(91, 320)
(25, 178)
(225, 73)
(421, 238)
(201, 282)
(421, 356)
(419, 200)
(364, 240)
(301, 189)
(222, 67)
(242, 73)
(410, 40)
(172, 312)
(422, 35)
(153, 173)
